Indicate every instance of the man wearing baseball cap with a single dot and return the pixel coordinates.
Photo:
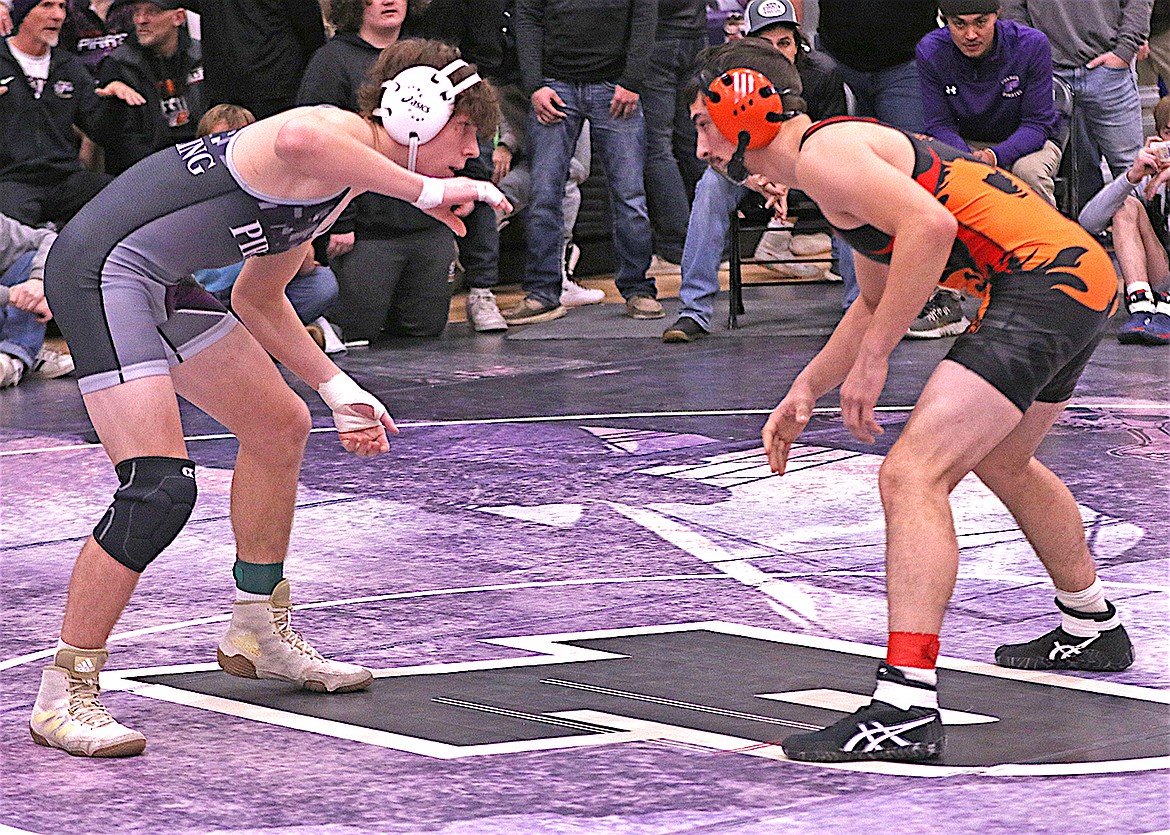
(165, 65)
(775, 23)
(987, 88)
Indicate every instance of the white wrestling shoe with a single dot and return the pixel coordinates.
(69, 715)
(261, 643)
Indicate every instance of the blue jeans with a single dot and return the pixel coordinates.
(891, 95)
(620, 144)
(671, 165)
(1107, 122)
(716, 198)
(311, 294)
(21, 335)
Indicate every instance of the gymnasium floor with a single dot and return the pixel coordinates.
(592, 609)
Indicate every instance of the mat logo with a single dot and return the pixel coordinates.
(714, 686)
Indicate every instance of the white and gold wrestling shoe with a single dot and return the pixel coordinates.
(261, 643)
(69, 715)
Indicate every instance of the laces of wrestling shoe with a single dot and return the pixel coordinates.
(282, 619)
(84, 704)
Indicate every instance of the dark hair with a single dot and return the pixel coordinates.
(1162, 113)
(752, 53)
(479, 102)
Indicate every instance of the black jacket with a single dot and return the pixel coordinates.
(682, 19)
(37, 142)
(255, 51)
(335, 73)
(585, 41)
(872, 35)
(133, 133)
(484, 32)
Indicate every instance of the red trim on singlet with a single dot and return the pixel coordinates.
(834, 120)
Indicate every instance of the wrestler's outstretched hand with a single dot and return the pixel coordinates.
(450, 199)
(366, 443)
(859, 396)
(361, 420)
(785, 424)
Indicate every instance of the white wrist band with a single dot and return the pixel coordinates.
(431, 194)
(340, 390)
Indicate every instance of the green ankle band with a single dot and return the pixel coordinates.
(257, 578)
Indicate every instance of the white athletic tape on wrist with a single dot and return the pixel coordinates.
(488, 193)
(341, 394)
(431, 194)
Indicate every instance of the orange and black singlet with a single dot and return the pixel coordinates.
(1005, 228)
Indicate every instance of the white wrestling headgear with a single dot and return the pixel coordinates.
(418, 102)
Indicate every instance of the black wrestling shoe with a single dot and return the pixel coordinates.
(1109, 651)
(879, 731)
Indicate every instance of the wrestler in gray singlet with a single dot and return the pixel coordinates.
(117, 277)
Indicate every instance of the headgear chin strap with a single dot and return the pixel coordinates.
(418, 102)
(748, 110)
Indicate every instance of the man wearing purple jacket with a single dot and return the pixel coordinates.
(987, 88)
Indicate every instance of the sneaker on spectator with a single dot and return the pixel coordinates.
(482, 311)
(11, 370)
(1157, 330)
(529, 311)
(325, 334)
(1133, 331)
(806, 245)
(644, 307)
(661, 266)
(685, 329)
(574, 295)
(773, 244)
(941, 316)
(50, 364)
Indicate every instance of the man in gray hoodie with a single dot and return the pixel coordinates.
(23, 311)
(1093, 46)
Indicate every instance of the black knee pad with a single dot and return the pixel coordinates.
(150, 507)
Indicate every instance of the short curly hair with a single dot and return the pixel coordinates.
(479, 102)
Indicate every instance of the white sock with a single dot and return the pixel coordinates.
(247, 597)
(906, 696)
(1162, 305)
(1091, 601)
(1139, 297)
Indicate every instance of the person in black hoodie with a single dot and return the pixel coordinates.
(45, 92)
(392, 261)
(255, 51)
(163, 63)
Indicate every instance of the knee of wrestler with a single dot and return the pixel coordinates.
(281, 432)
(904, 476)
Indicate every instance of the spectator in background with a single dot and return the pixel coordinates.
(255, 51)
(585, 60)
(45, 92)
(312, 291)
(873, 43)
(1135, 203)
(1093, 46)
(672, 169)
(392, 260)
(95, 30)
(23, 251)
(717, 197)
(987, 89)
(164, 64)
(483, 32)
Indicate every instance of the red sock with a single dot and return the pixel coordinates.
(912, 649)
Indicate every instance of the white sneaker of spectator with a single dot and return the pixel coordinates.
(333, 343)
(50, 364)
(574, 295)
(11, 370)
(482, 311)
